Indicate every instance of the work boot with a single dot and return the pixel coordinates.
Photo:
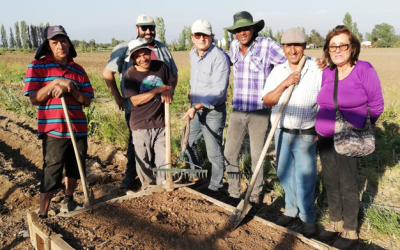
(348, 238)
(284, 220)
(331, 230)
(309, 229)
(70, 206)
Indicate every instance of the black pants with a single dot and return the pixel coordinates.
(130, 171)
(58, 153)
(339, 177)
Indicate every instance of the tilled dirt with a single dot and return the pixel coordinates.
(167, 220)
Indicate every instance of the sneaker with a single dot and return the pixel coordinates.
(284, 220)
(70, 206)
(331, 231)
(309, 229)
(348, 238)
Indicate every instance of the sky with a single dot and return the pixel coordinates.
(102, 20)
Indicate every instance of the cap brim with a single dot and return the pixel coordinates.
(259, 25)
(145, 24)
(128, 58)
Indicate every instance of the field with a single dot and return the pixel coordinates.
(21, 160)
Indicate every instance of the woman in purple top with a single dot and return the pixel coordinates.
(358, 88)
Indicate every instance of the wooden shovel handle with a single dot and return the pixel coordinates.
(272, 132)
(78, 158)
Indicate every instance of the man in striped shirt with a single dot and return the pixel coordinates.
(53, 74)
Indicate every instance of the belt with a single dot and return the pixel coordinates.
(215, 107)
(309, 131)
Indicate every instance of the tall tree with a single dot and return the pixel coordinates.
(12, 40)
(4, 37)
(347, 21)
(17, 36)
(114, 42)
(24, 35)
(92, 45)
(34, 36)
(227, 42)
(385, 33)
(41, 33)
(28, 33)
(189, 36)
(160, 27)
(182, 40)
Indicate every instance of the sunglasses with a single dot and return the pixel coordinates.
(342, 47)
(199, 35)
(145, 27)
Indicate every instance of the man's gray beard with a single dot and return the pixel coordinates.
(149, 40)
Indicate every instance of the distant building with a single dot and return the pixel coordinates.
(366, 44)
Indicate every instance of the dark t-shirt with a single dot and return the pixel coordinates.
(150, 114)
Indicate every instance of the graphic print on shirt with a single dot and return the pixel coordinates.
(149, 83)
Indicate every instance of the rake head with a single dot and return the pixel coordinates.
(180, 173)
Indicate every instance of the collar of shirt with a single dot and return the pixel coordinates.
(205, 53)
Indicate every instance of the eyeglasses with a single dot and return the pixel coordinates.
(342, 47)
(199, 35)
(145, 27)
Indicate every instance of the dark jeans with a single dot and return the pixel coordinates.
(130, 171)
(339, 178)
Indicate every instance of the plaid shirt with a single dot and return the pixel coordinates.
(250, 71)
(301, 110)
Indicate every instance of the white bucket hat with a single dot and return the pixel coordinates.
(135, 45)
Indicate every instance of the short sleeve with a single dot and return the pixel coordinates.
(32, 82)
(117, 58)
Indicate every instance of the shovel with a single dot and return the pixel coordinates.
(244, 206)
(89, 200)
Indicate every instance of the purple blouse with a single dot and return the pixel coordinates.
(360, 89)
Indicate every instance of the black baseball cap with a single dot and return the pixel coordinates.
(49, 33)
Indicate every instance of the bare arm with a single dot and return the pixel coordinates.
(146, 97)
(109, 78)
(272, 97)
(43, 94)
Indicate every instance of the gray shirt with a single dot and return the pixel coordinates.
(209, 77)
(117, 64)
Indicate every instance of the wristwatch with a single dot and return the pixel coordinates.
(195, 109)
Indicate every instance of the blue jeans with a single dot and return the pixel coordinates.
(209, 124)
(297, 171)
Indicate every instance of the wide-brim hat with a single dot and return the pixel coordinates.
(49, 33)
(244, 19)
(136, 45)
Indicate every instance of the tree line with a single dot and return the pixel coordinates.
(29, 37)
(24, 36)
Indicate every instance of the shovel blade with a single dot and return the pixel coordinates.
(240, 212)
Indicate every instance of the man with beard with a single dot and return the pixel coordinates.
(145, 27)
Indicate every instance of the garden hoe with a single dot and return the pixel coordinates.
(169, 172)
(89, 199)
(244, 206)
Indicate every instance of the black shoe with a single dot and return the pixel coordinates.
(309, 229)
(234, 201)
(284, 220)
